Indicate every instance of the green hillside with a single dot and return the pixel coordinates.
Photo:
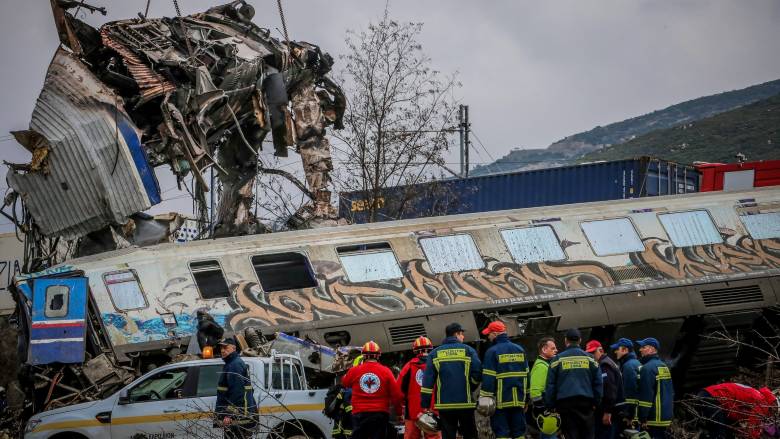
(753, 130)
(582, 144)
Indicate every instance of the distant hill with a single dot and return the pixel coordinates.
(585, 143)
(753, 130)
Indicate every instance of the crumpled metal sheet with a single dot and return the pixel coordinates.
(98, 173)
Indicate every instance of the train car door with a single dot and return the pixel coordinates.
(58, 325)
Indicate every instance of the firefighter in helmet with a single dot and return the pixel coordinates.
(409, 381)
(374, 392)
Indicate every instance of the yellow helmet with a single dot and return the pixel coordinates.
(548, 423)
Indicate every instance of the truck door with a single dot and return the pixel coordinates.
(58, 323)
(159, 406)
(288, 387)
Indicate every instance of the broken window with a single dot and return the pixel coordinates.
(686, 229)
(762, 225)
(283, 271)
(210, 279)
(612, 236)
(125, 290)
(533, 244)
(452, 253)
(57, 301)
(369, 262)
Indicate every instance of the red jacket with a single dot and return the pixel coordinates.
(373, 388)
(409, 381)
(745, 405)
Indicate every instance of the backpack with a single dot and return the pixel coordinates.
(333, 402)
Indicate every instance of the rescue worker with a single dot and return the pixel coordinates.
(236, 408)
(607, 416)
(338, 407)
(735, 410)
(656, 393)
(409, 381)
(504, 377)
(456, 370)
(629, 369)
(374, 392)
(547, 350)
(574, 388)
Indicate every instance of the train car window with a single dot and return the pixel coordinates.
(533, 244)
(283, 271)
(56, 301)
(369, 262)
(612, 236)
(452, 253)
(125, 290)
(210, 279)
(762, 225)
(686, 229)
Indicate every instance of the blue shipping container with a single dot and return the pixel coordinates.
(615, 180)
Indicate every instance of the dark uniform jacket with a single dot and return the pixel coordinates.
(613, 386)
(629, 368)
(656, 393)
(505, 374)
(454, 370)
(573, 373)
(235, 395)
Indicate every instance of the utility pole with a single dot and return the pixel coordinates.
(464, 127)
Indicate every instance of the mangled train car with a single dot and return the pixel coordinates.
(192, 93)
(676, 268)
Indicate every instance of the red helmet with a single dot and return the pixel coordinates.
(371, 348)
(422, 344)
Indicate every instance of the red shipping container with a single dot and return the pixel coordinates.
(735, 176)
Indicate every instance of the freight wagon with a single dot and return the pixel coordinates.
(614, 180)
(738, 176)
(673, 267)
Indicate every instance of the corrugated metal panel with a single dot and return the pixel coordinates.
(99, 173)
(545, 187)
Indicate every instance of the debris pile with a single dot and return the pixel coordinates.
(189, 92)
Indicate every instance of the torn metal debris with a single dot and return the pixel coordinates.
(187, 92)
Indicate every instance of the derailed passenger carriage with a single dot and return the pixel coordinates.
(675, 268)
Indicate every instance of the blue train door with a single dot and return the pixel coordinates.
(58, 322)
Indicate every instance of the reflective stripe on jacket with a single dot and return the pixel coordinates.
(573, 373)
(656, 393)
(453, 370)
(505, 373)
(630, 370)
(235, 395)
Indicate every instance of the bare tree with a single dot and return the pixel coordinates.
(398, 114)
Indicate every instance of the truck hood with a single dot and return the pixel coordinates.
(84, 405)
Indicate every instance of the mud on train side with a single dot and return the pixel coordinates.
(673, 267)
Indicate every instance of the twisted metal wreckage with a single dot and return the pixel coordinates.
(190, 92)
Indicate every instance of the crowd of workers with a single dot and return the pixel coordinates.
(573, 393)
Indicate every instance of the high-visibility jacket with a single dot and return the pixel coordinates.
(454, 370)
(573, 373)
(409, 381)
(629, 368)
(373, 388)
(235, 395)
(505, 374)
(539, 378)
(744, 405)
(656, 393)
(342, 425)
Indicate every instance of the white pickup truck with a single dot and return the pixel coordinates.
(177, 401)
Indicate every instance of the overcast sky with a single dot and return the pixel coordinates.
(533, 72)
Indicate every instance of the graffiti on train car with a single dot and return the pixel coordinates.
(420, 288)
(743, 256)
